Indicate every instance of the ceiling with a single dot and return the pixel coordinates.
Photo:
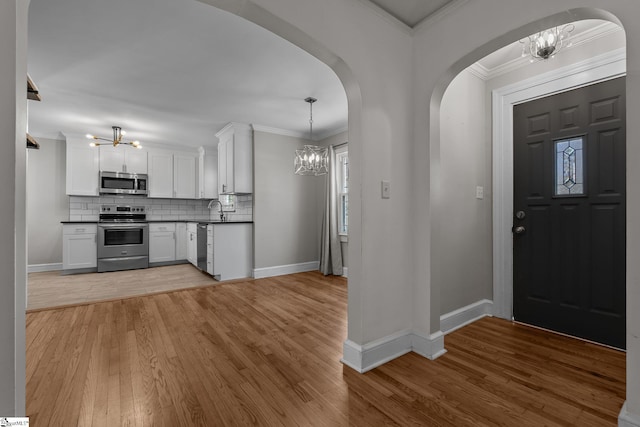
(170, 72)
(411, 12)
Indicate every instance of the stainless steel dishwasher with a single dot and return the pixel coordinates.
(202, 246)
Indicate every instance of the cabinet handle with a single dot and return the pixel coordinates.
(95, 238)
(174, 235)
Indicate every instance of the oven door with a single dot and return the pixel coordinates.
(123, 240)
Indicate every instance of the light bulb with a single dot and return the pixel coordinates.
(92, 144)
(90, 136)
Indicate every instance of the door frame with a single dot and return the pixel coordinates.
(594, 70)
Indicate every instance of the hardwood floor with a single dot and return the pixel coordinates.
(267, 352)
(51, 289)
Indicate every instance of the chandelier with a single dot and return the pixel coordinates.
(547, 43)
(311, 159)
(118, 133)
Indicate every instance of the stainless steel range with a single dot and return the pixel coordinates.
(123, 238)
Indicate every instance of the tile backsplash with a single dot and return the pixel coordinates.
(88, 208)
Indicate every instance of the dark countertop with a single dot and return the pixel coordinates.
(79, 222)
(169, 220)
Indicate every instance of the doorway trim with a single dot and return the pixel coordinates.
(594, 70)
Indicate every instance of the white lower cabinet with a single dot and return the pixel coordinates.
(162, 242)
(192, 243)
(232, 254)
(181, 241)
(79, 246)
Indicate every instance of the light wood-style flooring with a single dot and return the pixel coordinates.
(267, 352)
(51, 289)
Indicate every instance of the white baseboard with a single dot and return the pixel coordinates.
(456, 319)
(38, 268)
(279, 270)
(430, 347)
(345, 271)
(626, 419)
(363, 358)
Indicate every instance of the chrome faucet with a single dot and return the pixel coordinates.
(222, 218)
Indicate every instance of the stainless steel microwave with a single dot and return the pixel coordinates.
(123, 183)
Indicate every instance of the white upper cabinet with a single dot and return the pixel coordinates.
(135, 160)
(83, 167)
(184, 175)
(123, 159)
(160, 173)
(235, 159)
(172, 174)
(207, 173)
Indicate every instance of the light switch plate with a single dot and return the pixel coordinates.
(386, 190)
(479, 192)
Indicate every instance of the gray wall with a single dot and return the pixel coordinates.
(335, 140)
(47, 203)
(287, 207)
(462, 238)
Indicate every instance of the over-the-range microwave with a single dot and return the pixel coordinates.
(123, 183)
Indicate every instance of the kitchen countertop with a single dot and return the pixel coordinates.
(169, 220)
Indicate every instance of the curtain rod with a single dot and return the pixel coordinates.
(340, 145)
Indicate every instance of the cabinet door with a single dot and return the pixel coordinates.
(162, 246)
(181, 241)
(222, 165)
(79, 251)
(160, 174)
(184, 176)
(243, 159)
(83, 165)
(208, 173)
(136, 160)
(112, 158)
(192, 248)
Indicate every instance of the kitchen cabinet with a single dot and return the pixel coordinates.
(231, 254)
(79, 246)
(184, 176)
(83, 167)
(208, 173)
(160, 174)
(235, 159)
(172, 174)
(192, 243)
(181, 241)
(123, 158)
(162, 242)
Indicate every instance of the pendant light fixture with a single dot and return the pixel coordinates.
(547, 43)
(312, 159)
(118, 133)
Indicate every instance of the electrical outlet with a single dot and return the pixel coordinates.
(386, 190)
(479, 192)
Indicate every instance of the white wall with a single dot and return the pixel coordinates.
(13, 251)
(287, 207)
(47, 203)
(462, 262)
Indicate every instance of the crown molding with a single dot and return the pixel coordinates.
(582, 38)
(439, 14)
(278, 131)
(479, 70)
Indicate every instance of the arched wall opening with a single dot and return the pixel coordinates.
(287, 31)
(477, 171)
(501, 215)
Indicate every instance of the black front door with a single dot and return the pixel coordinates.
(569, 212)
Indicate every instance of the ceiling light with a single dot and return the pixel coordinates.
(118, 133)
(547, 43)
(312, 159)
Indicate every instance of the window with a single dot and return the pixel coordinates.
(569, 155)
(342, 179)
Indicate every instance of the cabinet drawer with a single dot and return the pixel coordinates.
(162, 226)
(79, 229)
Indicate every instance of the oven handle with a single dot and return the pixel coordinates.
(123, 225)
